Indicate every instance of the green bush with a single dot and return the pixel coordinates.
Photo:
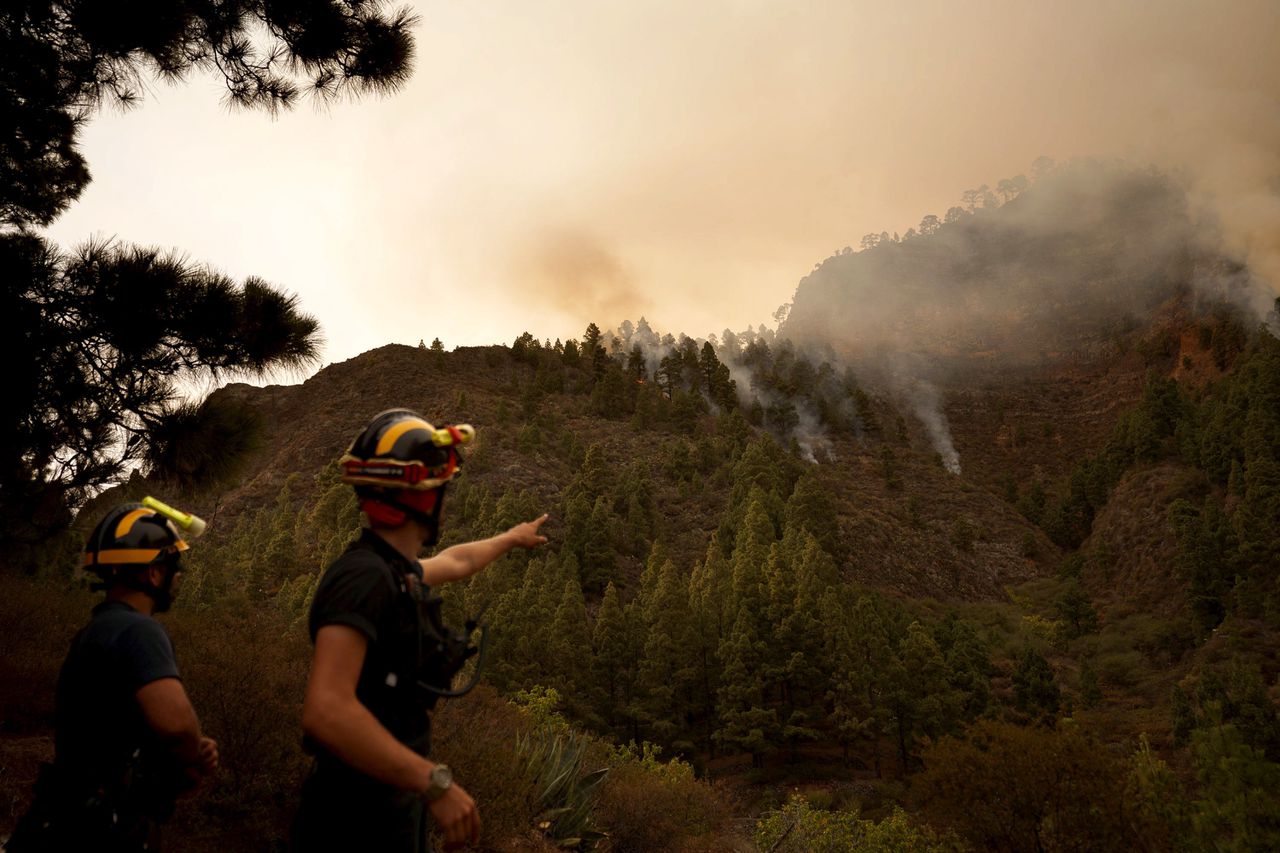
(799, 828)
(1122, 669)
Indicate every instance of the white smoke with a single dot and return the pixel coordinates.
(809, 434)
(926, 402)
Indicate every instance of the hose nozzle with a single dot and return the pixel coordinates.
(192, 525)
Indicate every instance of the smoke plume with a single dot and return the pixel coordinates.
(581, 277)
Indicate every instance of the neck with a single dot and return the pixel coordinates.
(406, 539)
(135, 598)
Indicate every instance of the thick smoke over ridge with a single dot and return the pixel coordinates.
(699, 156)
(1018, 275)
(817, 148)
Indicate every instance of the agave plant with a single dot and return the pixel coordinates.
(566, 794)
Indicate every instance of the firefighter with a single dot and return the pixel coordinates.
(382, 655)
(127, 741)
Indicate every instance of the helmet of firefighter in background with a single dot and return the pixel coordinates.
(131, 536)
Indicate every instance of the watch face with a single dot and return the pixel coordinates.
(442, 776)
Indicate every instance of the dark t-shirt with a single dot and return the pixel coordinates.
(367, 589)
(98, 723)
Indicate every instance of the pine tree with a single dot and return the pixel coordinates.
(745, 722)
(650, 574)
(279, 557)
(592, 350)
(803, 628)
(1076, 610)
(614, 661)
(1034, 688)
(610, 395)
(522, 618)
(106, 334)
(749, 591)
(811, 509)
(599, 557)
(968, 668)
(805, 664)
(873, 635)
(918, 675)
(668, 671)
(1236, 809)
(593, 477)
(851, 712)
(569, 651)
(577, 526)
(1205, 545)
(710, 587)
(636, 369)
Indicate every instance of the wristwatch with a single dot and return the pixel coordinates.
(441, 781)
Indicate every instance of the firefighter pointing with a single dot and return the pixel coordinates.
(382, 654)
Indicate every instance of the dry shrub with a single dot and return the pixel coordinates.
(246, 673)
(39, 618)
(20, 759)
(476, 736)
(1013, 788)
(646, 807)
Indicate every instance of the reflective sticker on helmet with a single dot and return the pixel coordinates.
(389, 438)
(126, 523)
(125, 555)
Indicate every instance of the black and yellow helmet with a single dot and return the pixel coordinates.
(131, 536)
(400, 450)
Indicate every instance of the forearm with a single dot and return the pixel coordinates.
(168, 712)
(462, 561)
(183, 746)
(346, 728)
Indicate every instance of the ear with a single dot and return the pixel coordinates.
(155, 574)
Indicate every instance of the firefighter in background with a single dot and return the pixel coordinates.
(127, 741)
(381, 657)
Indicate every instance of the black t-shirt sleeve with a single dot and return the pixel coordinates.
(145, 654)
(354, 592)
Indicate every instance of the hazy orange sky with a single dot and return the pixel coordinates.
(552, 163)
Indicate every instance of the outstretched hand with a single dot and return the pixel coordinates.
(526, 535)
